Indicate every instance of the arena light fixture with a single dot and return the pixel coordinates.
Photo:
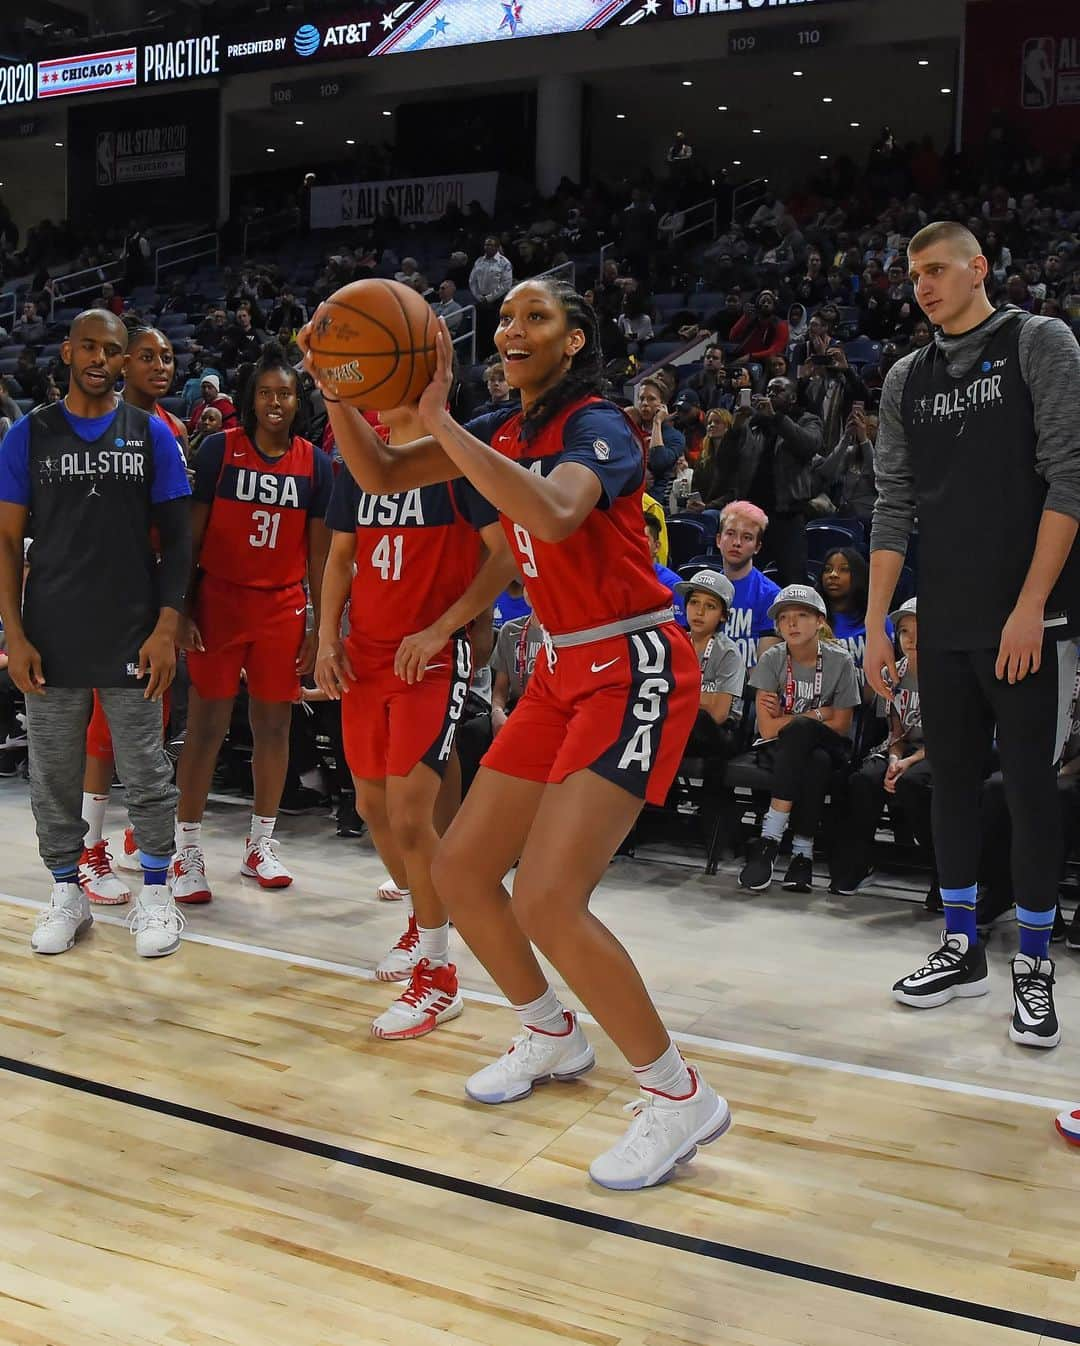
(299, 123)
(924, 61)
(59, 144)
(823, 156)
(855, 124)
(946, 91)
(826, 99)
(620, 116)
(350, 142)
(688, 83)
(797, 74)
(387, 112)
(755, 131)
(722, 107)
(270, 149)
(737, 163)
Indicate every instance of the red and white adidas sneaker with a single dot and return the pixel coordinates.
(100, 884)
(128, 857)
(399, 962)
(188, 877)
(431, 999)
(1068, 1125)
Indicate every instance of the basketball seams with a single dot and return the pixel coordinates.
(394, 353)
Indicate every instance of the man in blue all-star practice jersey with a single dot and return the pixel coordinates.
(88, 478)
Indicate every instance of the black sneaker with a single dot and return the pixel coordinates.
(303, 800)
(952, 970)
(10, 760)
(1072, 935)
(800, 875)
(932, 901)
(1057, 935)
(846, 887)
(1034, 1021)
(757, 873)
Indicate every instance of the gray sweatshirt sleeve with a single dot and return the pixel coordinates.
(894, 509)
(1050, 364)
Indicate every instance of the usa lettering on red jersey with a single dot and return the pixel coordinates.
(416, 553)
(257, 533)
(603, 572)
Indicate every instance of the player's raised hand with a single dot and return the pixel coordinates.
(433, 400)
(333, 671)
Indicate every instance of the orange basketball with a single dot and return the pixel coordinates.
(374, 344)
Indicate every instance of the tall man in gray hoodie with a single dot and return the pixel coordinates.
(978, 439)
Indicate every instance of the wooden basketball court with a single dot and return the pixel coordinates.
(211, 1149)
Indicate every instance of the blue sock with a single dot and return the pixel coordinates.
(774, 824)
(959, 906)
(803, 846)
(1035, 928)
(155, 868)
(70, 874)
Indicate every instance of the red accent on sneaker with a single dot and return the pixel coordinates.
(129, 841)
(410, 939)
(676, 1098)
(1073, 1137)
(568, 1019)
(427, 976)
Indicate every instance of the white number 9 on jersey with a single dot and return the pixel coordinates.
(525, 547)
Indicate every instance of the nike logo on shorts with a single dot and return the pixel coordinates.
(430, 668)
(300, 611)
(599, 668)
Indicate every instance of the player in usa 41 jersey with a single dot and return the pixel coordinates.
(261, 493)
(600, 729)
(411, 568)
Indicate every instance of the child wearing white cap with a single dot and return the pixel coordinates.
(897, 768)
(708, 596)
(807, 690)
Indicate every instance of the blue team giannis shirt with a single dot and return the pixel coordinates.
(90, 485)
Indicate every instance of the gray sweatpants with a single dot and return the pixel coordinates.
(56, 733)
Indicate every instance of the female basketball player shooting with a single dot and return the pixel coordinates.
(601, 728)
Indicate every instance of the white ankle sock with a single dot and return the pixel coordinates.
(188, 834)
(668, 1074)
(547, 1013)
(93, 812)
(435, 944)
(262, 829)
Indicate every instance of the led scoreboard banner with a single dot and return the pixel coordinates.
(370, 30)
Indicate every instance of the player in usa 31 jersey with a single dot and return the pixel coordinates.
(261, 493)
(600, 729)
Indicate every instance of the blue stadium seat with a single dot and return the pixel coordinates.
(822, 535)
(170, 320)
(687, 537)
(181, 331)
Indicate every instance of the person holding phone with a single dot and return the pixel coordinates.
(847, 473)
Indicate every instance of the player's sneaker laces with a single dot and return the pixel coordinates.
(62, 922)
(534, 1057)
(398, 964)
(188, 875)
(431, 999)
(128, 857)
(99, 883)
(1034, 1021)
(665, 1131)
(155, 922)
(390, 892)
(261, 863)
(952, 970)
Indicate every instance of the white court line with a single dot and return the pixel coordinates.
(690, 1039)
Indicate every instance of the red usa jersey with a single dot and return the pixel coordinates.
(259, 508)
(416, 553)
(603, 572)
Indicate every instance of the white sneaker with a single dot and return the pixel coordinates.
(398, 964)
(99, 883)
(432, 999)
(665, 1132)
(62, 922)
(534, 1057)
(155, 922)
(188, 876)
(128, 857)
(390, 892)
(261, 862)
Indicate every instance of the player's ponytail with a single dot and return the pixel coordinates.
(585, 377)
(273, 360)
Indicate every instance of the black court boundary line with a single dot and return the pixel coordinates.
(553, 1210)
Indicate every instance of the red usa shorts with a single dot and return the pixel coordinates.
(99, 737)
(257, 630)
(622, 707)
(388, 726)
